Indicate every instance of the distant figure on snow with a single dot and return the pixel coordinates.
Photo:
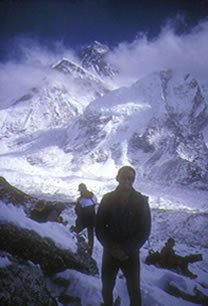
(167, 250)
(167, 258)
(123, 225)
(43, 212)
(85, 210)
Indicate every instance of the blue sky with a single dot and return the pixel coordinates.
(74, 23)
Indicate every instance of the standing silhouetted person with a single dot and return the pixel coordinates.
(123, 225)
(85, 210)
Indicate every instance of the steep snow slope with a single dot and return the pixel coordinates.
(43, 107)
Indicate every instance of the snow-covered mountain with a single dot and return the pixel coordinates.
(90, 82)
(42, 107)
(159, 125)
(58, 98)
(62, 95)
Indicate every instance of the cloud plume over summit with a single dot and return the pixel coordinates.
(183, 52)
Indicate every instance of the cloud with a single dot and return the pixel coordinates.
(185, 53)
(15, 80)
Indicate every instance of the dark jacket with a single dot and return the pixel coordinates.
(127, 225)
(85, 210)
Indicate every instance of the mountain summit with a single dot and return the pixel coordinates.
(93, 57)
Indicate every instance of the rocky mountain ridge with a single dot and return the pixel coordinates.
(93, 57)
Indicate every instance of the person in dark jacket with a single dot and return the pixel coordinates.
(168, 259)
(85, 210)
(123, 225)
(43, 212)
(168, 250)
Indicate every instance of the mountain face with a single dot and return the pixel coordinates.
(93, 58)
(43, 107)
(159, 125)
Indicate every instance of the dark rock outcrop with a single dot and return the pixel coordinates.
(28, 245)
(10, 194)
(93, 57)
(23, 284)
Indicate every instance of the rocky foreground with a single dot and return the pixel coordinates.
(33, 259)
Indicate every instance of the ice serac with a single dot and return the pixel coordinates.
(93, 58)
(159, 125)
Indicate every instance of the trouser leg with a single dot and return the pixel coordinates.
(131, 270)
(78, 225)
(109, 271)
(90, 238)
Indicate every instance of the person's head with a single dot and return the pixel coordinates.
(171, 242)
(125, 177)
(82, 187)
(39, 206)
